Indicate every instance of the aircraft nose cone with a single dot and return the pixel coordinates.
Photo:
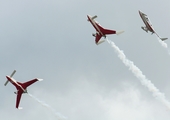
(88, 17)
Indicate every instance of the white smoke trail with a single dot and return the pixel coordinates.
(138, 73)
(58, 115)
(162, 43)
(165, 45)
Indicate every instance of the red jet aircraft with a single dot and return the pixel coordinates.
(21, 87)
(148, 24)
(100, 31)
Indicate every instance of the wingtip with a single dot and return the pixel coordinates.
(19, 108)
(39, 79)
(119, 32)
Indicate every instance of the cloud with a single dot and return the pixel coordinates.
(88, 100)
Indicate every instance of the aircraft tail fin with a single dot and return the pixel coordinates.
(10, 76)
(163, 39)
(119, 32)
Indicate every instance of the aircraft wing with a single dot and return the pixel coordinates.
(98, 37)
(19, 94)
(26, 84)
(106, 31)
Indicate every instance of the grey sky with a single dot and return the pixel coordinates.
(52, 40)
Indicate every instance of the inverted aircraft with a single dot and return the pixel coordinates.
(100, 31)
(148, 25)
(21, 87)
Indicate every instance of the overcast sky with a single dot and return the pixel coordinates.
(52, 40)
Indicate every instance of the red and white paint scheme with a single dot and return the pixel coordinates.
(21, 87)
(100, 31)
(148, 25)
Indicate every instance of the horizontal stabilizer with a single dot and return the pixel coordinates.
(163, 39)
(94, 17)
(119, 32)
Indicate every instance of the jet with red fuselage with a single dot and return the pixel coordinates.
(148, 25)
(100, 31)
(21, 87)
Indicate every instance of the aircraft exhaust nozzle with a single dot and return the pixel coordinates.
(119, 32)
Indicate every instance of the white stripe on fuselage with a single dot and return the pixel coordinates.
(12, 80)
(94, 24)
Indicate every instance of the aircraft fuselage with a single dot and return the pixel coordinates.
(95, 25)
(17, 85)
(146, 22)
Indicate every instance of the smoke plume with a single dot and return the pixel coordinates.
(138, 73)
(58, 115)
